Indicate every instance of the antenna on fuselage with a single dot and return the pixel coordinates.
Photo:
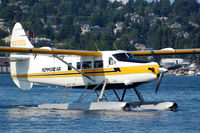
(97, 47)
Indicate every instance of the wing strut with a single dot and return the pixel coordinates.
(73, 68)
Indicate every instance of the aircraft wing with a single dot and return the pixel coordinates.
(49, 51)
(166, 52)
(97, 53)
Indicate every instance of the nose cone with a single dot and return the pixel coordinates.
(162, 69)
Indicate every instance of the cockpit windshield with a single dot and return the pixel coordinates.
(128, 57)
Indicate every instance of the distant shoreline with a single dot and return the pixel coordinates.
(4, 72)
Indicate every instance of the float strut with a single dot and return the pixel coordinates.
(124, 92)
(139, 95)
(102, 91)
(116, 94)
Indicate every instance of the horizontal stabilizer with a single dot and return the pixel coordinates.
(24, 85)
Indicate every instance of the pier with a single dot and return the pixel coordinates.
(4, 67)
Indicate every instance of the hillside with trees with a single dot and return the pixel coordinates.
(80, 24)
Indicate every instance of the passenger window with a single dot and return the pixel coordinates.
(69, 67)
(111, 61)
(78, 65)
(86, 64)
(98, 64)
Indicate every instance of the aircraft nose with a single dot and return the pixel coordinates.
(162, 69)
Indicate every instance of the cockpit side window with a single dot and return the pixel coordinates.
(123, 56)
(111, 61)
(128, 57)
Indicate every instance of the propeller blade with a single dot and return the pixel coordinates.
(158, 83)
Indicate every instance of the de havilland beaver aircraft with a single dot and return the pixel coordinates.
(95, 70)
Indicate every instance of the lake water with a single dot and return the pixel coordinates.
(18, 111)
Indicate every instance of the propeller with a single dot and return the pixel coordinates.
(161, 70)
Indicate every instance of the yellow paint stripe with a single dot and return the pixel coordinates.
(47, 51)
(108, 71)
(64, 72)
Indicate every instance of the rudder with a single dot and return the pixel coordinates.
(19, 38)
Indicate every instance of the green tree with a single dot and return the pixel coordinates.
(182, 9)
(3, 34)
(140, 6)
(7, 13)
(97, 19)
(165, 7)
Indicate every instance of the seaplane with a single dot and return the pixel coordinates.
(94, 70)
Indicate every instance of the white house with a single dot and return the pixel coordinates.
(168, 62)
(119, 26)
(123, 1)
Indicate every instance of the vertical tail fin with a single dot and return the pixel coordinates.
(19, 38)
(20, 67)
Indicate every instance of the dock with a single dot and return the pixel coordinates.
(4, 67)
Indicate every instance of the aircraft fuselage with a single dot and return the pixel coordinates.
(119, 68)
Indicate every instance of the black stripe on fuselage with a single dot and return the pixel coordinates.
(115, 70)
